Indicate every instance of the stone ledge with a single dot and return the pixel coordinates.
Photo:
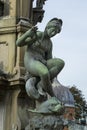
(7, 30)
(12, 84)
(22, 27)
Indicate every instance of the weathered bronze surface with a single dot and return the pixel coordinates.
(38, 56)
(49, 107)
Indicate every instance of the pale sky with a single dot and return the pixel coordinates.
(71, 44)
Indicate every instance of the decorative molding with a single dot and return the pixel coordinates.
(4, 42)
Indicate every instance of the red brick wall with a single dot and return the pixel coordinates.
(69, 113)
(65, 128)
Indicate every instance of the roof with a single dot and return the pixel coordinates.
(63, 93)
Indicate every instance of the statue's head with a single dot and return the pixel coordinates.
(53, 27)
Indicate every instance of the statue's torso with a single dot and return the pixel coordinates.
(39, 48)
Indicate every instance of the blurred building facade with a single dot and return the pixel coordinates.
(65, 96)
(16, 17)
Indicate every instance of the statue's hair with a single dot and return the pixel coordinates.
(54, 21)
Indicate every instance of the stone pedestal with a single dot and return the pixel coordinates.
(45, 122)
(8, 104)
(14, 105)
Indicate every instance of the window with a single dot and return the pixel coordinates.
(1, 8)
(4, 8)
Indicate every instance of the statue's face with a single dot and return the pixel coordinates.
(53, 29)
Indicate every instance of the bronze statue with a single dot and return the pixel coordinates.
(38, 56)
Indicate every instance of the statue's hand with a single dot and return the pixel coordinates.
(34, 29)
(32, 32)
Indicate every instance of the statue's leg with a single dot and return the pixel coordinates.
(36, 68)
(55, 66)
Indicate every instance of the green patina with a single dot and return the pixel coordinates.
(51, 106)
(38, 56)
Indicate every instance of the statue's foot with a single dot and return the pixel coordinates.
(40, 89)
(30, 88)
(41, 92)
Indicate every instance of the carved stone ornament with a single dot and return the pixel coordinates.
(38, 15)
(38, 12)
(40, 3)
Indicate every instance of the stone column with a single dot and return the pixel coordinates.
(9, 92)
(24, 9)
(11, 120)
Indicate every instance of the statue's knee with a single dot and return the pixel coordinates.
(45, 74)
(60, 64)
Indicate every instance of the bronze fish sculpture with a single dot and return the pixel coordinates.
(51, 106)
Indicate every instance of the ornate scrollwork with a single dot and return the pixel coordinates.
(38, 11)
(40, 3)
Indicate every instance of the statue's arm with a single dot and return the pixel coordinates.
(27, 38)
(49, 53)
